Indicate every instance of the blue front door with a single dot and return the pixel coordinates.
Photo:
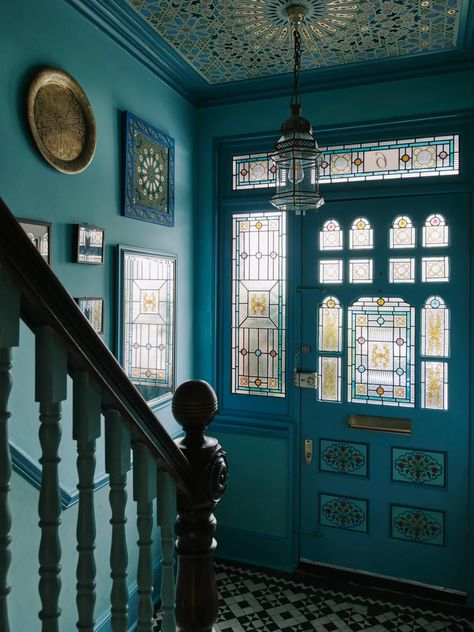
(385, 322)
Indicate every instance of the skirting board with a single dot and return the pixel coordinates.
(255, 548)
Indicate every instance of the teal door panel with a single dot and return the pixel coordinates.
(376, 501)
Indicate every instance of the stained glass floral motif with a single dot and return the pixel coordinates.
(435, 269)
(331, 271)
(344, 458)
(330, 325)
(361, 235)
(418, 466)
(402, 233)
(401, 270)
(361, 270)
(381, 352)
(343, 513)
(259, 304)
(435, 232)
(435, 328)
(253, 171)
(418, 525)
(329, 379)
(434, 385)
(148, 321)
(331, 236)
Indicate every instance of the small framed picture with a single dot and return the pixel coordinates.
(88, 244)
(93, 310)
(40, 234)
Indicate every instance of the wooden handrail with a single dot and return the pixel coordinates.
(44, 301)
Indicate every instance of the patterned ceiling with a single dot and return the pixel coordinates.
(232, 40)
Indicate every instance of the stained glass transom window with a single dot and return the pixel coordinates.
(356, 162)
(402, 233)
(330, 325)
(259, 304)
(361, 235)
(435, 269)
(331, 236)
(148, 294)
(435, 328)
(435, 232)
(401, 270)
(361, 270)
(381, 352)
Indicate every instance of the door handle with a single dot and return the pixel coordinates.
(308, 451)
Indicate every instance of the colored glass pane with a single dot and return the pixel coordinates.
(259, 304)
(435, 328)
(330, 271)
(434, 385)
(330, 325)
(435, 269)
(360, 271)
(330, 379)
(331, 236)
(361, 235)
(381, 352)
(253, 171)
(435, 232)
(402, 233)
(401, 270)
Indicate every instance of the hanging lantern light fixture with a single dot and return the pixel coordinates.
(297, 156)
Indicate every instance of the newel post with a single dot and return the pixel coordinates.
(194, 407)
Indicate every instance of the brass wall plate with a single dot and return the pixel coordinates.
(379, 424)
(61, 121)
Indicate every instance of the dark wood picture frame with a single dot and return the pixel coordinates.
(40, 233)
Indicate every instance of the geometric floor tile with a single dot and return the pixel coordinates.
(252, 600)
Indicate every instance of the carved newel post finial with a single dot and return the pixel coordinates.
(194, 407)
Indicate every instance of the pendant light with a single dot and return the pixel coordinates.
(297, 156)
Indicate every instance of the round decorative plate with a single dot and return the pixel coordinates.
(61, 121)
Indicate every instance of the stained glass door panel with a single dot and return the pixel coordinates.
(392, 342)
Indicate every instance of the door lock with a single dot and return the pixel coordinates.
(305, 379)
(308, 451)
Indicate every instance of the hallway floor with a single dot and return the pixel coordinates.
(256, 600)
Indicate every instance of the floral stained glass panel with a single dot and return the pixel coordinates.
(435, 232)
(435, 328)
(329, 379)
(381, 352)
(361, 235)
(402, 233)
(148, 321)
(434, 385)
(330, 325)
(259, 304)
(331, 236)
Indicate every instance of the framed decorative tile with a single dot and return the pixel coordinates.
(40, 235)
(88, 244)
(414, 524)
(93, 310)
(146, 326)
(423, 467)
(149, 173)
(343, 457)
(343, 512)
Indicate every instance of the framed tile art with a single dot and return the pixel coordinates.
(149, 173)
(88, 244)
(40, 235)
(93, 310)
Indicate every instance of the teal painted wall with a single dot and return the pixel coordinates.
(50, 33)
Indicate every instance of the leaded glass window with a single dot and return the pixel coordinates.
(330, 378)
(434, 385)
(361, 235)
(401, 270)
(435, 232)
(381, 351)
(253, 171)
(402, 233)
(331, 271)
(330, 325)
(259, 304)
(147, 289)
(435, 269)
(361, 270)
(435, 328)
(331, 236)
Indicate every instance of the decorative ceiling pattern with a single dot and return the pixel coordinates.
(232, 40)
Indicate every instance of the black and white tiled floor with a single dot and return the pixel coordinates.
(255, 600)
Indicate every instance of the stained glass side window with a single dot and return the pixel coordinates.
(381, 352)
(361, 235)
(435, 232)
(331, 236)
(434, 385)
(148, 313)
(435, 328)
(330, 378)
(330, 325)
(259, 304)
(402, 233)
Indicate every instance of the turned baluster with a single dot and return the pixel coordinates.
(117, 464)
(194, 407)
(166, 511)
(51, 365)
(86, 429)
(9, 337)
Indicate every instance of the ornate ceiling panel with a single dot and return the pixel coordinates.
(232, 40)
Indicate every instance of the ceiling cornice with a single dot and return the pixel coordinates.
(125, 27)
